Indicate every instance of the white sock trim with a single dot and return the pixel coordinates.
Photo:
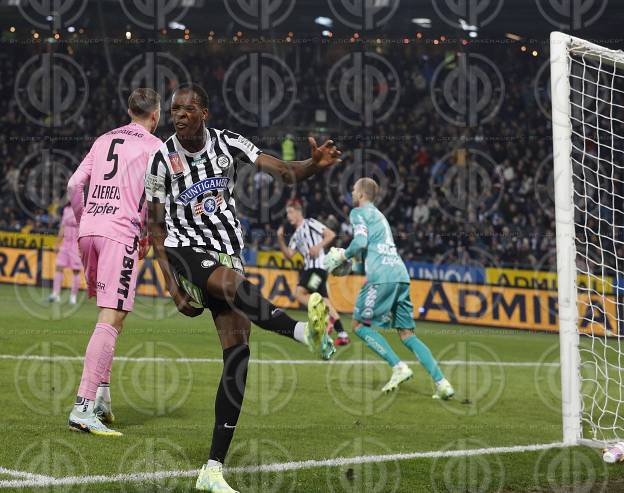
(300, 332)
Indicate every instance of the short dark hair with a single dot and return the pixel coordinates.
(143, 101)
(197, 90)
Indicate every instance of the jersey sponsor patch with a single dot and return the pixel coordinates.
(177, 167)
(198, 161)
(215, 183)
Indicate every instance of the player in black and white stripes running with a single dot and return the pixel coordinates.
(197, 240)
(311, 238)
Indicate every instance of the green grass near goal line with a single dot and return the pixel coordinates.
(292, 412)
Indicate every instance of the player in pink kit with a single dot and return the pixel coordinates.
(112, 220)
(67, 257)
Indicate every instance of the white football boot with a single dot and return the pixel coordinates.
(444, 390)
(211, 479)
(400, 373)
(83, 418)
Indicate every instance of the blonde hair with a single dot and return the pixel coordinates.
(368, 187)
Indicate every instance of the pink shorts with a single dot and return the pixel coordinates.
(68, 259)
(111, 270)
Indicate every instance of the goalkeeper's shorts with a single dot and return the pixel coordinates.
(386, 306)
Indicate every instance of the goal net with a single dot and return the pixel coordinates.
(587, 87)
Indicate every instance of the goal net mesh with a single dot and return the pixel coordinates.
(596, 78)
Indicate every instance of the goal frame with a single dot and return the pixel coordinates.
(569, 338)
(565, 239)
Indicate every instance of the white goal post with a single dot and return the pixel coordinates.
(587, 93)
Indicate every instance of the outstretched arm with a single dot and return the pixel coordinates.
(294, 171)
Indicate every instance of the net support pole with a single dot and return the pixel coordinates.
(566, 249)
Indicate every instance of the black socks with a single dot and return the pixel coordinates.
(229, 399)
(261, 312)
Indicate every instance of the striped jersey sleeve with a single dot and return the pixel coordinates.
(155, 178)
(242, 144)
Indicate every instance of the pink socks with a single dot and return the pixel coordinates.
(57, 283)
(98, 360)
(75, 285)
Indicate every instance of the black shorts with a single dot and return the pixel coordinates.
(314, 280)
(192, 266)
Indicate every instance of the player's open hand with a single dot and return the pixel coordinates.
(183, 303)
(144, 246)
(325, 155)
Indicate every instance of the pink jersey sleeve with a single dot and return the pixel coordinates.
(70, 228)
(76, 184)
(115, 204)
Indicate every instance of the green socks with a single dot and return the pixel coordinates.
(377, 343)
(425, 357)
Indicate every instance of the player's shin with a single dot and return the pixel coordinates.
(75, 285)
(97, 357)
(57, 283)
(375, 341)
(424, 356)
(83, 416)
(263, 313)
(229, 399)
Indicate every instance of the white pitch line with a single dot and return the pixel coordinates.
(276, 467)
(476, 362)
(24, 474)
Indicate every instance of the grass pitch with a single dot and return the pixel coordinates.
(296, 409)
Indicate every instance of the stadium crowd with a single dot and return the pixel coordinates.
(454, 193)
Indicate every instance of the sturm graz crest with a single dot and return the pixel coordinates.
(224, 161)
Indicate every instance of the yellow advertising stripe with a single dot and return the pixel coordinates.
(489, 305)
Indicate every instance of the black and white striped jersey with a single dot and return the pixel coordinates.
(197, 190)
(308, 234)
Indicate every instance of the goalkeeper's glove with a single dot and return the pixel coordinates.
(334, 259)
